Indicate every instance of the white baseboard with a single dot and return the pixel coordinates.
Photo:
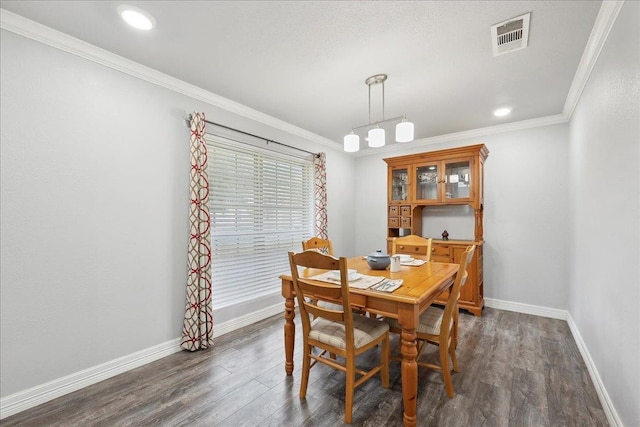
(29, 398)
(605, 400)
(247, 319)
(519, 307)
(607, 405)
(35, 396)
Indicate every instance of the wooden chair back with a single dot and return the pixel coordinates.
(323, 245)
(309, 292)
(334, 327)
(451, 308)
(444, 336)
(411, 245)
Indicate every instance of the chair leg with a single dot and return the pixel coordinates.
(455, 328)
(306, 367)
(454, 359)
(446, 372)
(349, 389)
(384, 355)
(400, 343)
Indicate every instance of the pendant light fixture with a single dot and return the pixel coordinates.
(351, 142)
(376, 137)
(404, 131)
(376, 134)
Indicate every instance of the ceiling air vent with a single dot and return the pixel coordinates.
(510, 35)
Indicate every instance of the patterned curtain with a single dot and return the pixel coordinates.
(320, 197)
(197, 332)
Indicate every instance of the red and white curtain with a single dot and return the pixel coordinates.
(197, 332)
(320, 196)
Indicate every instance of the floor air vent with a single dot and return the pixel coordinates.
(510, 35)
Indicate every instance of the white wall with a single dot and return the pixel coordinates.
(526, 223)
(605, 209)
(94, 216)
(94, 225)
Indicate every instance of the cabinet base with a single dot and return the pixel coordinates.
(474, 309)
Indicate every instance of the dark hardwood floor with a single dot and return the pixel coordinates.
(516, 370)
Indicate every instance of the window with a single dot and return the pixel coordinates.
(261, 206)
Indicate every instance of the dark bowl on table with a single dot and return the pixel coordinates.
(378, 260)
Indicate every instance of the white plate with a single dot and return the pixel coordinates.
(405, 258)
(353, 275)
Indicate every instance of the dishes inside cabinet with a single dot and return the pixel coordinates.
(428, 177)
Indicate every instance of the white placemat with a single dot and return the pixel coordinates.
(414, 262)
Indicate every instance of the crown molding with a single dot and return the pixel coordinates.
(27, 28)
(602, 26)
(467, 134)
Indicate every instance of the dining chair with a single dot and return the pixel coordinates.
(438, 326)
(323, 245)
(411, 245)
(335, 331)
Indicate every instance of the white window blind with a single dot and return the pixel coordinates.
(261, 206)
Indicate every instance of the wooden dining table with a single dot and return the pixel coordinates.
(421, 285)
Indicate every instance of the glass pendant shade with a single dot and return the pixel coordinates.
(376, 137)
(351, 143)
(404, 131)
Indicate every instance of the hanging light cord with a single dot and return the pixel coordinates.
(380, 121)
(371, 81)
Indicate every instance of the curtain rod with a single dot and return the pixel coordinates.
(267, 140)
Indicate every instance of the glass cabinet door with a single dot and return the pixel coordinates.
(427, 182)
(399, 185)
(457, 180)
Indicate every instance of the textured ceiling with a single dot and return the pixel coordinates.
(305, 62)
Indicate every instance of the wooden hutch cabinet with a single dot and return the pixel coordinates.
(445, 177)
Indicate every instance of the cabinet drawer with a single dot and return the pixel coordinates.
(393, 210)
(394, 222)
(436, 258)
(405, 211)
(440, 250)
(405, 222)
(408, 249)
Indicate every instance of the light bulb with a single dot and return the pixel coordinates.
(137, 18)
(501, 112)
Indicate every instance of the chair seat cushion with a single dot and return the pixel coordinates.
(331, 305)
(430, 321)
(365, 330)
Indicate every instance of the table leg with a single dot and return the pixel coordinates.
(409, 375)
(289, 333)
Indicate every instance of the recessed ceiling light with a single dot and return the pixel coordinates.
(502, 112)
(136, 17)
